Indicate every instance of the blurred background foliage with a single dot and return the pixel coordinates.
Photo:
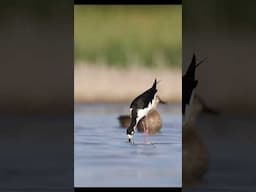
(221, 14)
(37, 10)
(123, 36)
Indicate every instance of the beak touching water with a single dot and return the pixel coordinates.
(130, 138)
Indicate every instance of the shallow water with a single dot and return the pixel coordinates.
(103, 156)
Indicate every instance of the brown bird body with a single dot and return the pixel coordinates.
(154, 122)
(194, 156)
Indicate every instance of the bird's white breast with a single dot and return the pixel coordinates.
(189, 109)
(143, 112)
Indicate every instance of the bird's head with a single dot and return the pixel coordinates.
(130, 133)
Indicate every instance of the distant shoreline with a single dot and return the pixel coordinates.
(86, 102)
(102, 84)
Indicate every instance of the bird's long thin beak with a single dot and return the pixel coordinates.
(131, 141)
(130, 138)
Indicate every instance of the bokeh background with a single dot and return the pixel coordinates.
(224, 32)
(119, 50)
(36, 100)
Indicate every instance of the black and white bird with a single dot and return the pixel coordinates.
(189, 84)
(140, 107)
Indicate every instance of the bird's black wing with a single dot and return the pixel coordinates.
(188, 83)
(142, 101)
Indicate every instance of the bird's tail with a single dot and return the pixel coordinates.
(201, 61)
(193, 65)
(154, 84)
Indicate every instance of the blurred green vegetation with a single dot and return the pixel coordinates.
(128, 35)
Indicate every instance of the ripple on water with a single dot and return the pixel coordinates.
(103, 156)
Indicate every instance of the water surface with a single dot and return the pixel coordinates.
(103, 156)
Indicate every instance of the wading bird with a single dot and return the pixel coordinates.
(154, 121)
(140, 108)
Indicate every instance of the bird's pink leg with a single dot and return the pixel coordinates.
(146, 122)
(144, 128)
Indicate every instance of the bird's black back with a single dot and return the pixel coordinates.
(188, 83)
(142, 101)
